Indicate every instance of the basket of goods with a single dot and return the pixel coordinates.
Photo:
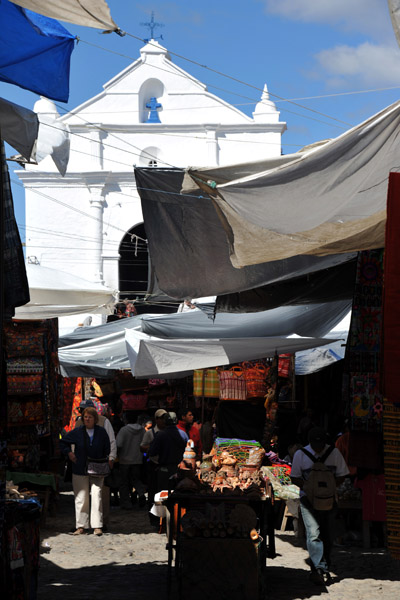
(279, 477)
(233, 467)
(255, 376)
(246, 452)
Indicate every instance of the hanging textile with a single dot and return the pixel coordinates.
(78, 396)
(35, 52)
(391, 291)
(363, 353)
(15, 284)
(90, 13)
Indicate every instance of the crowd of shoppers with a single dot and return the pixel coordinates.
(141, 454)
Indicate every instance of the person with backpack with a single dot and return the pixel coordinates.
(317, 470)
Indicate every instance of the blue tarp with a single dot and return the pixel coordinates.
(35, 52)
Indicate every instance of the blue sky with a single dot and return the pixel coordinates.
(319, 54)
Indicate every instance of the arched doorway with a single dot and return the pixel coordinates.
(134, 273)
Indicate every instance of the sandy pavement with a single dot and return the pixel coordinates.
(131, 561)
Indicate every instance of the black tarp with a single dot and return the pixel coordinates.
(336, 283)
(189, 248)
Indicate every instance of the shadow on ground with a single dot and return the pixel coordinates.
(112, 581)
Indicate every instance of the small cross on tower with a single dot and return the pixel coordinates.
(153, 105)
(152, 25)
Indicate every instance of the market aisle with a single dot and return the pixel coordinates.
(131, 560)
(357, 574)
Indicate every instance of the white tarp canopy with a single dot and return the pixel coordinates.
(58, 294)
(394, 9)
(332, 199)
(169, 357)
(90, 13)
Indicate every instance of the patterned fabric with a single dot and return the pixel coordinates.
(15, 286)
(25, 413)
(18, 343)
(391, 437)
(68, 386)
(232, 384)
(205, 383)
(78, 383)
(25, 364)
(134, 401)
(24, 384)
(363, 345)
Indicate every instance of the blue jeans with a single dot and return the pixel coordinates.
(317, 524)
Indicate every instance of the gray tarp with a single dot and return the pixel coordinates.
(314, 320)
(188, 247)
(83, 334)
(90, 13)
(103, 355)
(331, 199)
(19, 127)
(168, 357)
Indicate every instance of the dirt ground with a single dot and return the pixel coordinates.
(130, 560)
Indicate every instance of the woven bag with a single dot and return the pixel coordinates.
(284, 365)
(206, 383)
(232, 384)
(255, 375)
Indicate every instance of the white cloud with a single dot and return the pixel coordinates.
(365, 16)
(367, 65)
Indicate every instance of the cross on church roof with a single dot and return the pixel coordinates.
(152, 25)
(153, 115)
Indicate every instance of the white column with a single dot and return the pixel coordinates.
(212, 146)
(111, 270)
(96, 146)
(96, 231)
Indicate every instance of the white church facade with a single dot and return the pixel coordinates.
(151, 114)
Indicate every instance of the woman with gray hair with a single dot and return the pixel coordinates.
(89, 441)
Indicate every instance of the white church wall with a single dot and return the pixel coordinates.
(78, 228)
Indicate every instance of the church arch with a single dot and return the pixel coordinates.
(151, 88)
(133, 264)
(134, 273)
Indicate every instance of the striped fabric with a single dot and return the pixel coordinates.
(391, 438)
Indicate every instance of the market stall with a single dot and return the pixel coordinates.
(218, 519)
(34, 412)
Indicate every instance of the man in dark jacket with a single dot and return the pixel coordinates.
(169, 446)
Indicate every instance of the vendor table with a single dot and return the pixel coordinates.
(229, 567)
(21, 541)
(44, 485)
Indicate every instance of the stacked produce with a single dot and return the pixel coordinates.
(232, 467)
(224, 473)
(217, 522)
